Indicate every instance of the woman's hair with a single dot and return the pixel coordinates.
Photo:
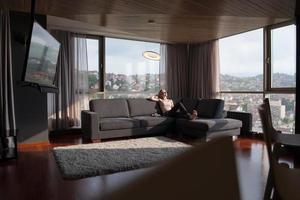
(161, 92)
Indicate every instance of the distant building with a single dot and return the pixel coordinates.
(278, 110)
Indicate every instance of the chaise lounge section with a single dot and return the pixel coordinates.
(113, 118)
(211, 121)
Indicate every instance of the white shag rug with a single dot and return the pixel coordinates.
(80, 161)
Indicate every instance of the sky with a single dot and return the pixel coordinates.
(242, 55)
(93, 54)
(284, 49)
(124, 56)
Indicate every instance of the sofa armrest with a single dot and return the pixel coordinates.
(246, 119)
(89, 124)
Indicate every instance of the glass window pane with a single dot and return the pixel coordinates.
(283, 56)
(127, 71)
(283, 111)
(93, 67)
(241, 62)
(245, 103)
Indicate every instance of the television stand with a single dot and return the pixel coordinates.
(41, 88)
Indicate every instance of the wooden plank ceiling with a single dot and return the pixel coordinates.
(160, 20)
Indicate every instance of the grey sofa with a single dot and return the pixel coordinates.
(211, 121)
(111, 118)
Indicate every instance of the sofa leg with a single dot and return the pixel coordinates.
(96, 140)
(86, 140)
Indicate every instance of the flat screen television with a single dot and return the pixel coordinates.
(41, 58)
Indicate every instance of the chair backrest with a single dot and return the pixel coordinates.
(268, 130)
(269, 113)
(286, 180)
(207, 171)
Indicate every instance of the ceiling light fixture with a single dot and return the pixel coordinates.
(151, 55)
(151, 21)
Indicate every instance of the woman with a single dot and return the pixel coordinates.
(169, 109)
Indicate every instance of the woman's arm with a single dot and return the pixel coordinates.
(154, 98)
(172, 103)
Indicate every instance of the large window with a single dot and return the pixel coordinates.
(283, 57)
(244, 102)
(241, 78)
(241, 62)
(247, 75)
(127, 72)
(93, 55)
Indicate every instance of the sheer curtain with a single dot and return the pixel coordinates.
(72, 80)
(80, 80)
(162, 66)
(204, 70)
(7, 110)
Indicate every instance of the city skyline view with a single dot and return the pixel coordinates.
(129, 74)
(242, 70)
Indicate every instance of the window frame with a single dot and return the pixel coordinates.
(267, 73)
(107, 93)
(268, 59)
(249, 91)
(101, 69)
(102, 63)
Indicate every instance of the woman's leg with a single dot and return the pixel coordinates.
(183, 111)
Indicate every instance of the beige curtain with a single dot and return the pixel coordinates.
(72, 80)
(204, 70)
(177, 70)
(162, 66)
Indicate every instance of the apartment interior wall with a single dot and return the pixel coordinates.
(30, 104)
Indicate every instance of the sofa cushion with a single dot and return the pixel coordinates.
(190, 104)
(210, 108)
(149, 121)
(176, 100)
(117, 123)
(110, 107)
(210, 124)
(139, 107)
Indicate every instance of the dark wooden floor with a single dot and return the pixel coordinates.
(35, 175)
